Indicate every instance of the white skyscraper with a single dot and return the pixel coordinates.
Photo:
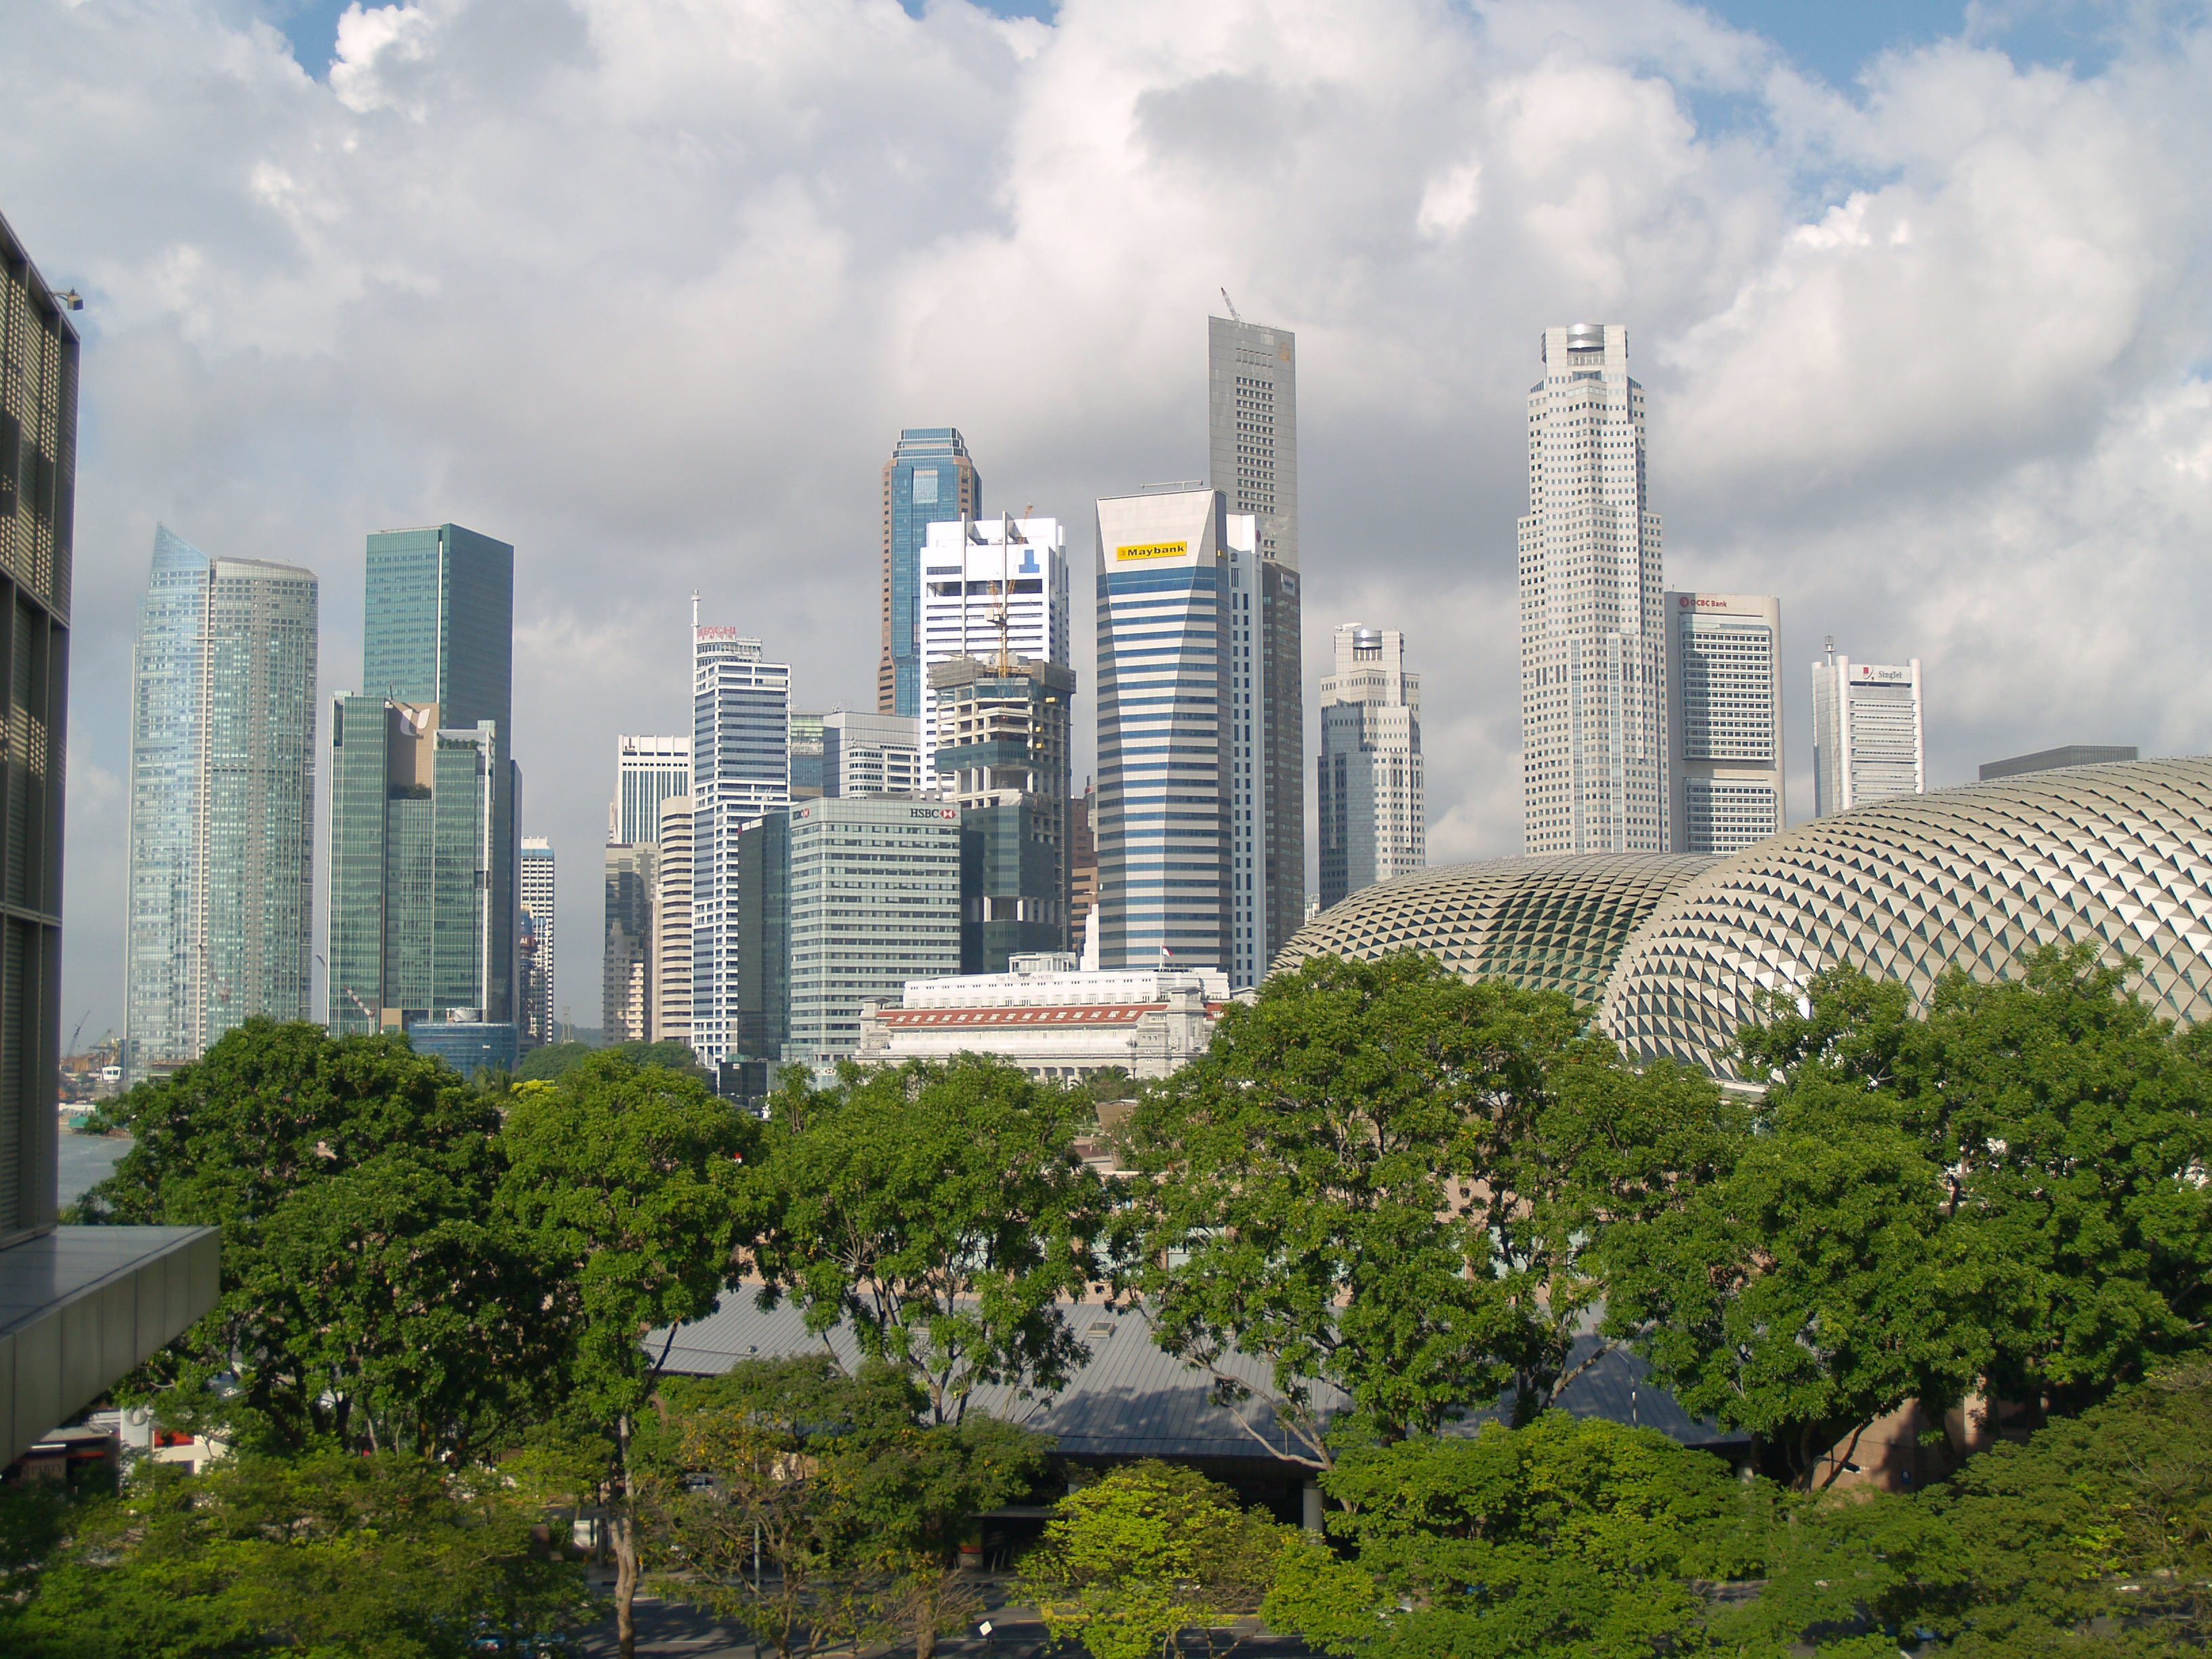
(1372, 793)
(1252, 431)
(648, 771)
(669, 967)
(1724, 721)
(740, 769)
(866, 754)
(535, 885)
(1592, 671)
(1868, 741)
(968, 566)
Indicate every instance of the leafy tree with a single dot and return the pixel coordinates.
(830, 1510)
(627, 1181)
(366, 1273)
(2095, 1536)
(1563, 1538)
(1152, 1550)
(2004, 1195)
(1381, 1178)
(942, 1210)
(383, 1556)
(550, 1062)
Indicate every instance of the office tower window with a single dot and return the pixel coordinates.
(1252, 428)
(741, 769)
(1724, 721)
(988, 585)
(669, 975)
(929, 479)
(1868, 743)
(425, 794)
(222, 746)
(1592, 662)
(1372, 790)
(648, 771)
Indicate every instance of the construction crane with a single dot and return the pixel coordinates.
(75, 1034)
(1231, 304)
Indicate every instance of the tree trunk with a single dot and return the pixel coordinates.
(625, 1542)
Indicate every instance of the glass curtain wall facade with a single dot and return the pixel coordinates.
(38, 497)
(437, 659)
(741, 769)
(1724, 721)
(1162, 820)
(1263, 742)
(1592, 688)
(419, 823)
(626, 978)
(222, 802)
(929, 479)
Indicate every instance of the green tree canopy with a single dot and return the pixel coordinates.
(629, 1183)
(383, 1556)
(1152, 1550)
(1383, 1178)
(2093, 1537)
(942, 1209)
(551, 1061)
(853, 1502)
(2004, 1195)
(366, 1272)
(1562, 1539)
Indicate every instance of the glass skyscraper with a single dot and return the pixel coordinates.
(221, 801)
(929, 479)
(425, 849)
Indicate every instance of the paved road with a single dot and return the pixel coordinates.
(671, 1631)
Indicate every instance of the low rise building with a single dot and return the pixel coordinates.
(1054, 1020)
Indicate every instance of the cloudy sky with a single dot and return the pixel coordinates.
(648, 288)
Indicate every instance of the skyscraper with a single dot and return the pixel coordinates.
(866, 754)
(222, 746)
(977, 573)
(626, 975)
(874, 901)
(425, 849)
(648, 771)
(1252, 428)
(1868, 740)
(1372, 790)
(1003, 743)
(1263, 702)
(1162, 817)
(1724, 721)
(536, 887)
(669, 974)
(420, 823)
(1592, 668)
(928, 480)
(740, 769)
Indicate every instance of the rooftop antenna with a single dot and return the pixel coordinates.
(1231, 304)
(695, 607)
(1829, 644)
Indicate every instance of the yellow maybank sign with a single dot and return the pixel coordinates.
(1153, 551)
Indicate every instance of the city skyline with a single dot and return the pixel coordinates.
(1824, 407)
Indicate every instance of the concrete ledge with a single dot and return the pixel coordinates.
(81, 1306)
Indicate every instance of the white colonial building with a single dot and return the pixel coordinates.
(1055, 1021)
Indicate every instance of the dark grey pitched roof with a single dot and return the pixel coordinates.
(1131, 1399)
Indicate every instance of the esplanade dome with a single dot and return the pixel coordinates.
(1550, 924)
(1674, 950)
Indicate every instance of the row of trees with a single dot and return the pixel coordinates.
(1382, 1198)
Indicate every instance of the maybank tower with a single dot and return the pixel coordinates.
(1200, 854)
(1594, 767)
